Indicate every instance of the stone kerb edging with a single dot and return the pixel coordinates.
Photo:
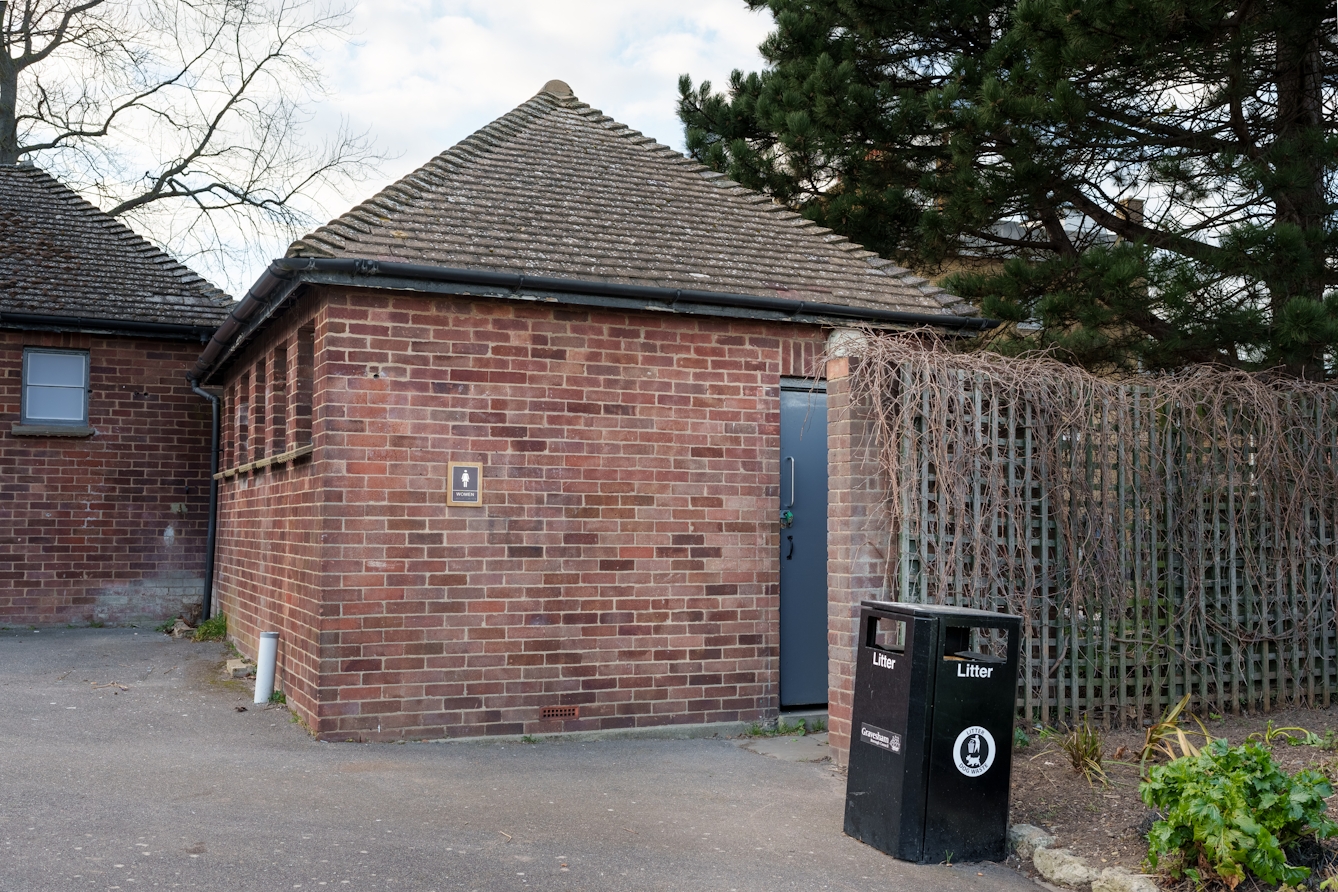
(1063, 868)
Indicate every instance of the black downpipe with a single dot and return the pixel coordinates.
(211, 537)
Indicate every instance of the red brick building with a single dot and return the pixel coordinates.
(104, 459)
(604, 331)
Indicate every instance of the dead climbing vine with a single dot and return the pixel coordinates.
(1142, 527)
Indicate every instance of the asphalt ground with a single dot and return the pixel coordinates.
(125, 765)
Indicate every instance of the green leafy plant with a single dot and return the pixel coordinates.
(278, 697)
(1230, 811)
(1167, 738)
(1085, 749)
(1294, 736)
(1020, 738)
(529, 738)
(781, 729)
(213, 629)
(165, 626)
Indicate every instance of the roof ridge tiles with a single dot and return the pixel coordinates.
(556, 187)
(400, 188)
(420, 181)
(347, 221)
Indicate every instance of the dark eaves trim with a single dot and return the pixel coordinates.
(283, 276)
(41, 321)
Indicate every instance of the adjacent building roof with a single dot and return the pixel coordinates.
(558, 189)
(62, 257)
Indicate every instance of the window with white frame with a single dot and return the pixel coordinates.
(55, 387)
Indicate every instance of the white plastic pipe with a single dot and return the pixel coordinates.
(265, 659)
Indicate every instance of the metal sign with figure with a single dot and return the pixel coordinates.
(466, 484)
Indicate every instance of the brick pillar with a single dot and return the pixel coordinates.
(857, 542)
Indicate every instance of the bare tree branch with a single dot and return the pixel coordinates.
(171, 113)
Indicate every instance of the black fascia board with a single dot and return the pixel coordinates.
(282, 278)
(93, 325)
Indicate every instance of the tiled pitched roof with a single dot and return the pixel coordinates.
(61, 256)
(556, 188)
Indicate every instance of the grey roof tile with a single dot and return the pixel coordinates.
(557, 188)
(61, 256)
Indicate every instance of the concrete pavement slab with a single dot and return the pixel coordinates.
(789, 748)
(125, 765)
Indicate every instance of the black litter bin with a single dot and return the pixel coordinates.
(931, 738)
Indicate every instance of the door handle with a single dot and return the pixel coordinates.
(790, 459)
(790, 556)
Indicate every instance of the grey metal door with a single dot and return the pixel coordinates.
(803, 556)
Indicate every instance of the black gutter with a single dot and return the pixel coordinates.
(84, 323)
(255, 298)
(293, 271)
(211, 537)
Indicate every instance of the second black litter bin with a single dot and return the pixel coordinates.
(931, 737)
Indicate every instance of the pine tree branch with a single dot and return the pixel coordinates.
(1138, 232)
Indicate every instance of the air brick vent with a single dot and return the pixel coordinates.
(560, 712)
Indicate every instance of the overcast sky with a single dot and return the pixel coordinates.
(423, 74)
(420, 75)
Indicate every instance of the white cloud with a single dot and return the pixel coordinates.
(417, 77)
(423, 75)
(420, 75)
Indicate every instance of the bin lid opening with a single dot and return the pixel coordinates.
(975, 656)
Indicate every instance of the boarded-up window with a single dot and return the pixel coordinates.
(258, 412)
(228, 448)
(278, 401)
(243, 417)
(302, 385)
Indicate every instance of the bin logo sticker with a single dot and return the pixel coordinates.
(974, 751)
(884, 740)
